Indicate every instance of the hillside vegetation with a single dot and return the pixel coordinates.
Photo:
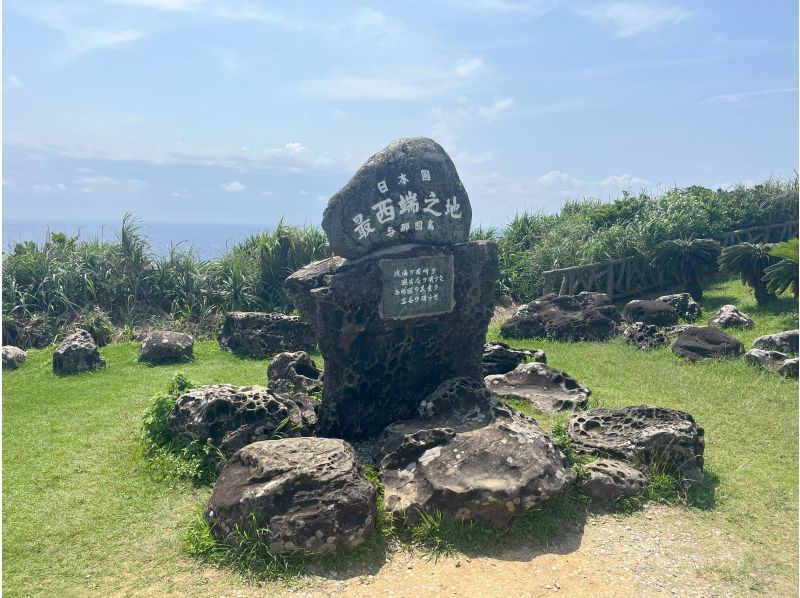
(66, 280)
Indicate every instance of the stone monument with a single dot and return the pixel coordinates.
(405, 303)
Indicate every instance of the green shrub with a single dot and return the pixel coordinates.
(783, 275)
(749, 261)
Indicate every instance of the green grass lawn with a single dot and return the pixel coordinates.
(82, 513)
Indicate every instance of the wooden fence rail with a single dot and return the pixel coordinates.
(631, 276)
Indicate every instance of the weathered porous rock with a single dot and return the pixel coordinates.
(499, 358)
(235, 416)
(729, 316)
(469, 456)
(653, 437)
(585, 316)
(378, 362)
(684, 304)
(294, 373)
(13, 357)
(262, 335)
(644, 336)
(166, 346)
(653, 313)
(544, 388)
(77, 353)
(408, 192)
(773, 360)
(785, 342)
(698, 342)
(310, 493)
(609, 478)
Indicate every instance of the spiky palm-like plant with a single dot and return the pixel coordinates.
(783, 275)
(688, 260)
(749, 261)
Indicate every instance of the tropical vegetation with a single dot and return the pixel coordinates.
(688, 261)
(749, 261)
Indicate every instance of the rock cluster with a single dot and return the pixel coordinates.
(470, 457)
(729, 316)
(644, 336)
(13, 357)
(582, 317)
(652, 313)
(544, 388)
(684, 304)
(698, 342)
(166, 346)
(231, 417)
(294, 372)
(77, 353)
(306, 494)
(262, 335)
(655, 438)
(499, 358)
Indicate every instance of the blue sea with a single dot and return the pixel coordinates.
(208, 240)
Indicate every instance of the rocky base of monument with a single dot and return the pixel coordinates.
(654, 438)
(293, 373)
(262, 335)
(582, 317)
(470, 457)
(231, 417)
(499, 358)
(542, 387)
(306, 494)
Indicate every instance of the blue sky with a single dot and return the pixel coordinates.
(244, 111)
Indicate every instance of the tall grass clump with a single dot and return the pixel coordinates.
(588, 231)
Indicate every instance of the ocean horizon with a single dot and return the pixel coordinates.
(208, 240)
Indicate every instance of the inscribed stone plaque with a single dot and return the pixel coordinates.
(418, 286)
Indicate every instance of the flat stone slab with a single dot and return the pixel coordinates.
(544, 388)
(650, 437)
(309, 493)
(469, 457)
(409, 192)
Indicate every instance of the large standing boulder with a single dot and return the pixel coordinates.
(610, 479)
(383, 353)
(655, 438)
(585, 316)
(684, 304)
(544, 388)
(166, 346)
(77, 353)
(13, 357)
(644, 336)
(469, 457)
(653, 313)
(499, 358)
(729, 316)
(773, 360)
(408, 192)
(231, 417)
(309, 494)
(698, 342)
(785, 342)
(262, 335)
(294, 372)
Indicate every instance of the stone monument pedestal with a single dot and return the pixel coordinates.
(393, 325)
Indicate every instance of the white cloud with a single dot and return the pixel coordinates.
(13, 82)
(232, 10)
(451, 119)
(470, 67)
(232, 186)
(63, 187)
(629, 19)
(733, 98)
(491, 112)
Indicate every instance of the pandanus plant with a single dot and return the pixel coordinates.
(749, 261)
(688, 260)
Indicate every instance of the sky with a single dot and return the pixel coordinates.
(237, 111)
